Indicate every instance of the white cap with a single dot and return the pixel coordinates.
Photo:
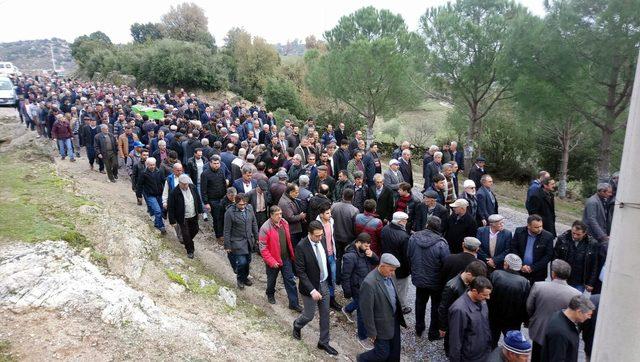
(468, 183)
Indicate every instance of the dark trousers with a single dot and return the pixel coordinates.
(422, 297)
(111, 164)
(189, 229)
(91, 155)
(384, 349)
(536, 352)
(497, 328)
(261, 217)
(287, 278)
(340, 246)
(240, 264)
(217, 214)
(296, 237)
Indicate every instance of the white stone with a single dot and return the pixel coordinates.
(228, 296)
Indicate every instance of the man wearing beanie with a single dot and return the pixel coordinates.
(508, 303)
(515, 348)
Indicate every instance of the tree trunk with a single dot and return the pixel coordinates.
(604, 160)
(565, 141)
(370, 121)
(470, 144)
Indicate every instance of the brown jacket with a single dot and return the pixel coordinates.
(123, 145)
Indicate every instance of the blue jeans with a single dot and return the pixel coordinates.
(66, 148)
(332, 266)
(240, 264)
(580, 287)
(355, 306)
(155, 204)
(287, 278)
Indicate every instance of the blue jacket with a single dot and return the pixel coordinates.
(239, 185)
(355, 267)
(426, 253)
(503, 244)
(485, 206)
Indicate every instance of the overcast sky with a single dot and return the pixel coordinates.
(276, 21)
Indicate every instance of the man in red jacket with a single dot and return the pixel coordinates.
(62, 134)
(278, 255)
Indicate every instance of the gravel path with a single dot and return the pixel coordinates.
(420, 349)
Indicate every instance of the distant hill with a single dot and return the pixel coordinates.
(295, 47)
(35, 55)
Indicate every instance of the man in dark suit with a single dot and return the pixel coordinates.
(312, 268)
(405, 166)
(495, 242)
(535, 247)
(246, 183)
(384, 198)
(382, 312)
(459, 225)
(477, 170)
(542, 203)
(455, 264)
(487, 201)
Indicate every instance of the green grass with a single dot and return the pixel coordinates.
(192, 283)
(35, 204)
(420, 125)
(5, 352)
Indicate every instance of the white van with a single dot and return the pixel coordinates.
(7, 92)
(7, 68)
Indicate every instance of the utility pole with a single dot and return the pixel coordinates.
(617, 328)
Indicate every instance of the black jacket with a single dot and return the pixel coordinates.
(192, 168)
(583, 258)
(395, 241)
(406, 171)
(315, 203)
(175, 204)
(455, 264)
(508, 303)
(384, 203)
(542, 252)
(150, 183)
(341, 158)
(422, 212)
(213, 184)
(456, 229)
(561, 339)
(360, 196)
(307, 267)
(454, 288)
(355, 267)
(427, 250)
(543, 204)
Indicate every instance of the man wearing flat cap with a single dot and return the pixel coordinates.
(381, 311)
(495, 242)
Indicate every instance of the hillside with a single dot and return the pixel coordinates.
(35, 55)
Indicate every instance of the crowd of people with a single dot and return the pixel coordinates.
(317, 206)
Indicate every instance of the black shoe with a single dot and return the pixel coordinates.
(296, 332)
(248, 282)
(406, 310)
(419, 333)
(115, 177)
(240, 285)
(163, 231)
(271, 299)
(335, 305)
(297, 308)
(327, 348)
(190, 255)
(433, 337)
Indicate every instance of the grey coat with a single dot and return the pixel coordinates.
(391, 180)
(469, 331)
(240, 234)
(375, 306)
(545, 299)
(595, 218)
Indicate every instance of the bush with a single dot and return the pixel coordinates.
(281, 114)
(282, 93)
